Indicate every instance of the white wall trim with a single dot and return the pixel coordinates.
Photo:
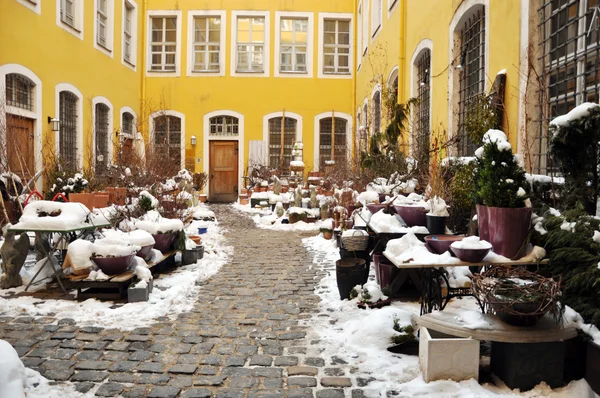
(79, 144)
(163, 13)
(37, 7)
(76, 31)
(375, 30)
(463, 12)
(523, 73)
(169, 112)
(267, 44)
(279, 114)
(339, 16)
(310, 47)
(359, 33)
(134, 36)
(109, 137)
(36, 114)
(392, 75)
(190, 41)
(110, 28)
(425, 44)
(317, 136)
(206, 138)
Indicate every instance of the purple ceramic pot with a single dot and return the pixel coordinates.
(441, 243)
(508, 229)
(145, 251)
(470, 255)
(375, 207)
(113, 265)
(482, 222)
(163, 242)
(412, 215)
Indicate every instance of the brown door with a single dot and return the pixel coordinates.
(19, 145)
(223, 177)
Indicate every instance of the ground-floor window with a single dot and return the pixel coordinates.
(332, 134)
(289, 126)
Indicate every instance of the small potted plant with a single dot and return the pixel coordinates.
(327, 229)
(438, 210)
(404, 342)
(369, 295)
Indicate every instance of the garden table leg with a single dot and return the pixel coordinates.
(47, 261)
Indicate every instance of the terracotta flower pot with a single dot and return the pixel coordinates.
(101, 199)
(508, 230)
(202, 198)
(86, 199)
(328, 235)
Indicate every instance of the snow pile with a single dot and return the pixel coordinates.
(12, 372)
(137, 237)
(27, 274)
(409, 249)
(153, 223)
(202, 212)
(296, 163)
(81, 251)
(153, 200)
(472, 243)
(573, 319)
(368, 197)
(54, 216)
(413, 199)
(576, 113)
(438, 206)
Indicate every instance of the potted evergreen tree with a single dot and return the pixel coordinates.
(504, 219)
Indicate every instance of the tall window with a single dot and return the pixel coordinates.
(224, 125)
(326, 138)
(19, 91)
(472, 75)
(207, 44)
(101, 22)
(102, 137)
(67, 12)
(250, 44)
(167, 138)
(422, 110)
(570, 44)
(68, 129)
(127, 36)
(377, 113)
(275, 138)
(127, 125)
(294, 42)
(359, 44)
(376, 15)
(336, 47)
(164, 44)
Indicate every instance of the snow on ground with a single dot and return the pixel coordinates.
(174, 292)
(360, 337)
(265, 219)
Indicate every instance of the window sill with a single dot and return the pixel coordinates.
(250, 72)
(291, 72)
(206, 72)
(103, 47)
(129, 63)
(337, 73)
(162, 71)
(70, 27)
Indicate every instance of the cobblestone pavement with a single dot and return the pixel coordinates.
(242, 339)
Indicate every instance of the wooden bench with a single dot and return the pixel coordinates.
(114, 288)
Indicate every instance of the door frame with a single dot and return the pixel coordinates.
(206, 138)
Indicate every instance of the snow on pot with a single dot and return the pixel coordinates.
(436, 218)
(137, 237)
(163, 230)
(110, 258)
(471, 249)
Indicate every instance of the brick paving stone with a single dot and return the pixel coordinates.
(207, 370)
(209, 381)
(330, 394)
(197, 393)
(164, 392)
(302, 370)
(272, 383)
(235, 361)
(135, 392)
(88, 355)
(92, 365)
(115, 356)
(184, 369)
(300, 393)
(267, 372)
(123, 366)
(84, 387)
(286, 361)
(242, 382)
(261, 360)
(122, 377)
(151, 367)
(141, 356)
(231, 394)
(334, 372)
(57, 374)
(318, 362)
(153, 379)
(89, 375)
(96, 345)
(358, 394)
(118, 346)
(109, 389)
(32, 362)
(302, 381)
(336, 382)
(181, 381)
(211, 360)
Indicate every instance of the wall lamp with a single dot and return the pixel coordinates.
(193, 140)
(54, 123)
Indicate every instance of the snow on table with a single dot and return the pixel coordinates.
(44, 215)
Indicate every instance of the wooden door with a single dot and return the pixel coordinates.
(223, 171)
(19, 145)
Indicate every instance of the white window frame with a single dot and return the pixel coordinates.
(122, 135)
(169, 112)
(376, 18)
(163, 14)
(192, 14)
(109, 136)
(132, 63)
(110, 27)
(365, 29)
(60, 87)
(359, 39)
(317, 135)
(280, 114)
(33, 5)
(77, 28)
(392, 6)
(309, 44)
(338, 16)
(266, 46)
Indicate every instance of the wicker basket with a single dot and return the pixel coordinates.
(357, 242)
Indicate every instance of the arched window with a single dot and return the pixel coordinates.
(275, 141)
(332, 134)
(19, 91)
(377, 112)
(421, 131)
(101, 124)
(68, 129)
(167, 138)
(224, 125)
(128, 125)
(127, 137)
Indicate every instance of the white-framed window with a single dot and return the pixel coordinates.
(20, 91)
(130, 29)
(104, 11)
(250, 49)
(167, 137)
(376, 13)
(206, 38)
(359, 41)
(364, 28)
(128, 125)
(333, 133)
(68, 129)
(294, 44)
(289, 126)
(392, 6)
(164, 42)
(335, 45)
(224, 126)
(69, 16)
(33, 5)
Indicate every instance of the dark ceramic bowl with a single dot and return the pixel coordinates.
(145, 251)
(441, 243)
(375, 207)
(470, 255)
(113, 265)
(163, 242)
(412, 215)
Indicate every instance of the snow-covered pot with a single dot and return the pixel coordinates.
(163, 242)
(113, 265)
(412, 215)
(470, 255)
(592, 370)
(482, 222)
(508, 229)
(145, 251)
(374, 207)
(436, 224)
(441, 243)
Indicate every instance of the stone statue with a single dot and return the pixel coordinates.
(314, 204)
(13, 252)
(298, 197)
(277, 185)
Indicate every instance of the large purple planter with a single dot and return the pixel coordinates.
(412, 215)
(375, 207)
(508, 230)
(163, 242)
(145, 251)
(385, 271)
(113, 265)
(482, 222)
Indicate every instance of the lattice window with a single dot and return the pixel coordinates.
(167, 138)
(325, 140)
(224, 125)
(68, 129)
(19, 91)
(207, 44)
(289, 137)
(102, 136)
(127, 125)
(67, 12)
(570, 44)
(336, 47)
(250, 44)
(127, 33)
(101, 22)
(377, 113)
(422, 110)
(376, 15)
(294, 42)
(163, 48)
(472, 76)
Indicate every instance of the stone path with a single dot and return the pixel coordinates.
(242, 339)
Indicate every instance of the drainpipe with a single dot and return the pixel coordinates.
(355, 154)
(143, 65)
(402, 63)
